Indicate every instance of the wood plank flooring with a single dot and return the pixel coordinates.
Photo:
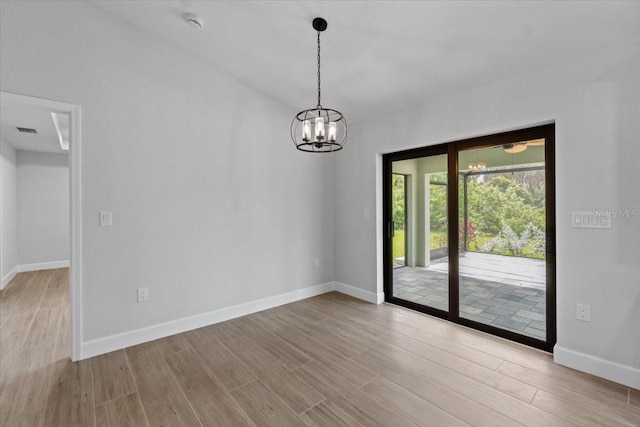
(330, 360)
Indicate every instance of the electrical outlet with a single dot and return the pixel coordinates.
(316, 263)
(583, 312)
(143, 294)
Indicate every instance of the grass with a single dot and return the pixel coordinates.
(398, 244)
(438, 240)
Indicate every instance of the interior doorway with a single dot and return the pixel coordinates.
(483, 216)
(60, 111)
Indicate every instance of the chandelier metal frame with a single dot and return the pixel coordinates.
(319, 129)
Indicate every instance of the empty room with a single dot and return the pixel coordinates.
(330, 213)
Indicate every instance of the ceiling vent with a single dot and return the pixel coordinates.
(26, 130)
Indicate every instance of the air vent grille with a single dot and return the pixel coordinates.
(26, 130)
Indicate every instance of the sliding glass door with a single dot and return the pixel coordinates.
(502, 273)
(477, 233)
(421, 276)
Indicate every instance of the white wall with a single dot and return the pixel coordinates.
(43, 208)
(595, 103)
(212, 205)
(8, 212)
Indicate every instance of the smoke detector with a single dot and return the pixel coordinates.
(194, 21)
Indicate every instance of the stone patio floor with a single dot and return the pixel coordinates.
(516, 308)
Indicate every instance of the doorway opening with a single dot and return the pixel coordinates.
(483, 213)
(70, 134)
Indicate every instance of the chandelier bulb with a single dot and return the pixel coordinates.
(306, 131)
(332, 131)
(319, 128)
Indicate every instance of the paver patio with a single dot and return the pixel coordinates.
(508, 294)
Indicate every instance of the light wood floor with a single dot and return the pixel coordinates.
(326, 361)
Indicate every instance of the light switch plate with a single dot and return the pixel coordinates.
(590, 219)
(106, 219)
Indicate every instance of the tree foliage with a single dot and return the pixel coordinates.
(398, 203)
(505, 211)
(501, 199)
(509, 209)
(530, 242)
(438, 205)
(506, 207)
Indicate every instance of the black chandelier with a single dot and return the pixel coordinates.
(319, 130)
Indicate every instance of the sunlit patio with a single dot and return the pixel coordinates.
(502, 291)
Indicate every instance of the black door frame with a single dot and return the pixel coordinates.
(452, 149)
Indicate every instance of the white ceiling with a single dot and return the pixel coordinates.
(384, 55)
(46, 140)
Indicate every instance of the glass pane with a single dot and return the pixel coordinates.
(502, 237)
(421, 274)
(399, 216)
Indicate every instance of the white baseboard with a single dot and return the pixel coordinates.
(32, 267)
(43, 266)
(372, 297)
(9, 276)
(139, 336)
(622, 374)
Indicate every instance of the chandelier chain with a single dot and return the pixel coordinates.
(319, 104)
